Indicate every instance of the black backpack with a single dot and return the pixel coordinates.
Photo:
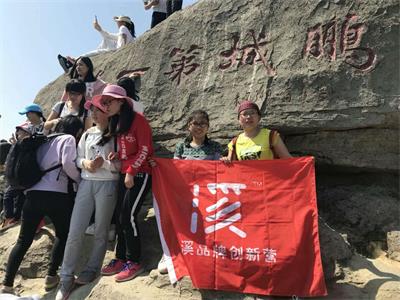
(22, 168)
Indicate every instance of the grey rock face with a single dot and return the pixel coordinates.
(325, 73)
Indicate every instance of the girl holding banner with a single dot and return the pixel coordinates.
(196, 146)
(254, 142)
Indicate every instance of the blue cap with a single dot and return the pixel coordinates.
(31, 107)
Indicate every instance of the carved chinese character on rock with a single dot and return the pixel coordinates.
(183, 63)
(247, 54)
(321, 41)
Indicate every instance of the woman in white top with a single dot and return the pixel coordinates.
(97, 189)
(113, 41)
(110, 41)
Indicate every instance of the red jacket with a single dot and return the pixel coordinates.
(135, 147)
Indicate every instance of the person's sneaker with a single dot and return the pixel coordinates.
(86, 277)
(7, 289)
(50, 282)
(90, 229)
(65, 290)
(64, 63)
(130, 271)
(8, 223)
(114, 266)
(111, 233)
(40, 226)
(162, 266)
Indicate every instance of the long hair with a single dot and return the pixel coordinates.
(121, 123)
(73, 74)
(131, 28)
(129, 85)
(105, 137)
(77, 86)
(195, 115)
(70, 125)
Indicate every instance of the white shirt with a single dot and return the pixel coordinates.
(88, 149)
(123, 30)
(160, 7)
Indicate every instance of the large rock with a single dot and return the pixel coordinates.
(325, 73)
(393, 240)
(363, 212)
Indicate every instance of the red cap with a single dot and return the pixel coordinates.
(95, 102)
(247, 104)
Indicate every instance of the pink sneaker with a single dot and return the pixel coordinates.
(130, 271)
(114, 266)
(40, 226)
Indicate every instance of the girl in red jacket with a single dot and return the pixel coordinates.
(135, 145)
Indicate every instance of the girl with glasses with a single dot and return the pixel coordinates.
(254, 142)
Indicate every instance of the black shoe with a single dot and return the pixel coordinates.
(65, 64)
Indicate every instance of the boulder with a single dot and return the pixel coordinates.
(393, 243)
(323, 73)
(364, 213)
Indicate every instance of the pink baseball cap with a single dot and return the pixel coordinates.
(27, 127)
(95, 102)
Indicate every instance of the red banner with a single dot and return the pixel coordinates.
(251, 227)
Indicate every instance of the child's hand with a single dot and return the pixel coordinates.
(112, 156)
(226, 160)
(151, 162)
(129, 181)
(98, 162)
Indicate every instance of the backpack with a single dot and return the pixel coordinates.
(270, 137)
(22, 168)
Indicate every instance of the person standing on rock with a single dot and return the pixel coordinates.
(14, 197)
(135, 145)
(173, 6)
(49, 197)
(97, 189)
(196, 146)
(159, 10)
(254, 142)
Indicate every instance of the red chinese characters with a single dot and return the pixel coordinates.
(183, 63)
(322, 41)
(247, 54)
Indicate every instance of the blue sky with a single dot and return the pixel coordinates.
(33, 32)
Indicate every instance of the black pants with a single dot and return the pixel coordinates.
(58, 207)
(128, 206)
(173, 6)
(157, 17)
(13, 202)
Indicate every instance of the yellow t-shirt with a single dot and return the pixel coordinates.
(254, 148)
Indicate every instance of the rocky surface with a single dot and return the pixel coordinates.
(393, 240)
(325, 74)
(336, 98)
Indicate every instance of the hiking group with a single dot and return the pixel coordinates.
(90, 161)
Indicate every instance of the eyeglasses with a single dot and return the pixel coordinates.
(248, 113)
(197, 124)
